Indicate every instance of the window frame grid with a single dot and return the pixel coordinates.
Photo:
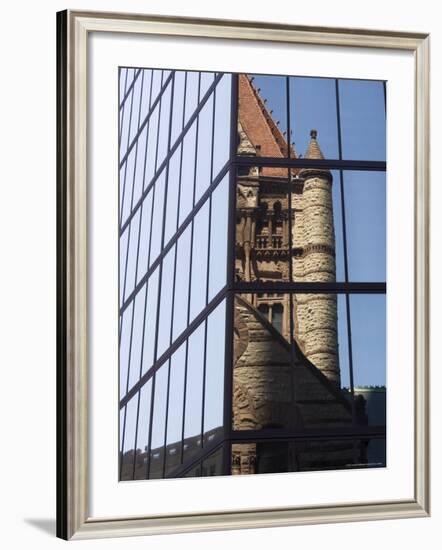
(227, 293)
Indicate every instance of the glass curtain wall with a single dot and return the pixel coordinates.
(174, 186)
(252, 274)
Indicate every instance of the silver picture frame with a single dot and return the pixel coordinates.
(73, 518)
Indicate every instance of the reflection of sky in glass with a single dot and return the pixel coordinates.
(365, 217)
(194, 383)
(214, 382)
(313, 105)
(368, 332)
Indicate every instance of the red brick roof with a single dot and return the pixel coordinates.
(260, 127)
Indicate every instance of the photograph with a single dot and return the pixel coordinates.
(252, 273)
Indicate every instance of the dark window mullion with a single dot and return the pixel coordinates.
(136, 436)
(123, 428)
(312, 287)
(149, 439)
(196, 144)
(181, 157)
(231, 226)
(333, 432)
(230, 302)
(203, 396)
(330, 164)
(163, 469)
(145, 154)
(184, 404)
(345, 247)
(228, 378)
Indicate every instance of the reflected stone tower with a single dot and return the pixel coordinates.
(314, 237)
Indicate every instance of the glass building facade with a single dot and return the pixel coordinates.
(252, 282)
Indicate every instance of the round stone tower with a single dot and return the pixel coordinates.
(316, 314)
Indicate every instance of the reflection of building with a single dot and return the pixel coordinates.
(279, 210)
(229, 357)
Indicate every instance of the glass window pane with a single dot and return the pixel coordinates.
(121, 424)
(128, 185)
(139, 166)
(213, 464)
(368, 326)
(126, 329)
(156, 84)
(125, 123)
(187, 173)
(337, 226)
(152, 143)
(146, 219)
(157, 218)
(362, 107)
(277, 316)
(122, 82)
(151, 321)
(145, 97)
(178, 105)
(130, 77)
(192, 86)
(214, 382)
(313, 105)
(123, 256)
(205, 82)
(298, 456)
(221, 144)
(263, 375)
(163, 136)
(262, 115)
(165, 320)
(194, 472)
(159, 422)
(132, 258)
(173, 186)
(137, 337)
(263, 226)
(143, 431)
(181, 296)
(218, 237)
(204, 149)
(375, 452)
(175, 411)
(365, 210)
(194, 392)
(343, 352)
(199, 261)
(130, 423)
(135, 114)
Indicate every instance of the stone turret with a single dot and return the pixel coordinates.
(316, 314)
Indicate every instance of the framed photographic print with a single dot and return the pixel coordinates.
(242, 275)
